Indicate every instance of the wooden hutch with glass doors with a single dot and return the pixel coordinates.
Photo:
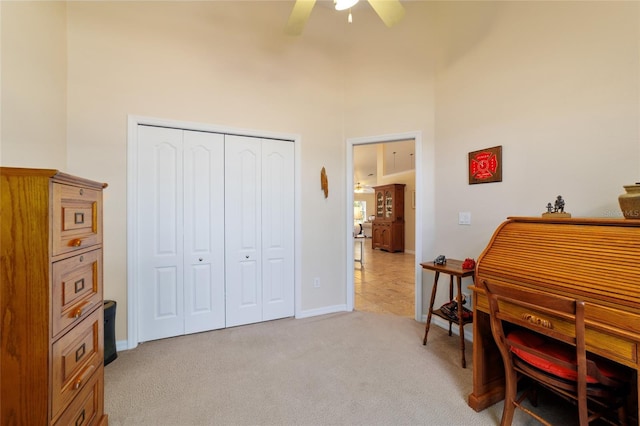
(388, 225)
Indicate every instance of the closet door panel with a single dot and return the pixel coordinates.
(277, 229)
(215, 231)
(160, 245)
(203, 231)
(242, 230)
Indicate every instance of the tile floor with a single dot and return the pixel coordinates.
(385, 282)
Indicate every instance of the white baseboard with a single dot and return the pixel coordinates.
(321, 311)
(442, 323)
(122, 345)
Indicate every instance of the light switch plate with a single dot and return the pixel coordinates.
(464, 218)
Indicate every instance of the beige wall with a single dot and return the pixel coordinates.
(225, 63)
(390, 89)
(554, 83)
(34, 84)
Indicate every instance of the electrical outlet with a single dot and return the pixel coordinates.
(467, 297)
(316, 282)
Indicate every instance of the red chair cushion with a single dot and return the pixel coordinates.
(557, 350)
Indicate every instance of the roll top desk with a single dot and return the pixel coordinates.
(595, 260)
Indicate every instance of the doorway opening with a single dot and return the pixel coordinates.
(391, 167)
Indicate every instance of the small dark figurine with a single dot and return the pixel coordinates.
(440, 260)
(556, 210)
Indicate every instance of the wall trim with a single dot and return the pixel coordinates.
(444, 324)
(321, 311)
(122, 345)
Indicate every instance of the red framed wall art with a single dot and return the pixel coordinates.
(485, 165)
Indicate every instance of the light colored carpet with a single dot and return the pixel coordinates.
(353, 368)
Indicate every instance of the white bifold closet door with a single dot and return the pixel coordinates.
(258, 229)
(214, 231)
(180, 229)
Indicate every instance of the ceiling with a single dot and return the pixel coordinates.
(395, 157)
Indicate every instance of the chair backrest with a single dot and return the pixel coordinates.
(551, 317)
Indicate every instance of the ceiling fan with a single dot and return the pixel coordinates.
(390, 11)
(363, 189)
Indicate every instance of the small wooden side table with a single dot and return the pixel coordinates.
(453, 268)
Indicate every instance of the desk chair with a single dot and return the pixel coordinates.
(542, 336)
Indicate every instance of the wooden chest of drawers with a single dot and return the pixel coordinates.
(52, 342)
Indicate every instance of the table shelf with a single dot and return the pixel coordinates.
(454, 269)
(440, 313)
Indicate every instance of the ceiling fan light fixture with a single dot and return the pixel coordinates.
(363, 189)
(345, 4)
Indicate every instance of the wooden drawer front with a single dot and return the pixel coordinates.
(538, 317)
(87, 408)
(77, 218)
(610, 345)
(619, 349)
(77, 288)
(617, 318)
(76, 357)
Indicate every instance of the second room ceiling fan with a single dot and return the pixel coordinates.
(390, 11)
(363, 189)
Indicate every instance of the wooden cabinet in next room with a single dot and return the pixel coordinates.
(388, 225)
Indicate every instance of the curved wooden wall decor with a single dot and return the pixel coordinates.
(324, 182)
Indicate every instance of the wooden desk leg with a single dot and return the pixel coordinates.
(637, 396)
(433, 299)
(450, 298)
(460, 321)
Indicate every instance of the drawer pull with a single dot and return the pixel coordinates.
(80, 419)
(81, 191)
(79, 311)
(86, 373)
(537, 321)
(79, 285)
(77, 242)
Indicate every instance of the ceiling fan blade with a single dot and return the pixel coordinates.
(390, 11)
(299, 16)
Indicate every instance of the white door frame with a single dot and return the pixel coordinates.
(351, 142)
(132, 207)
